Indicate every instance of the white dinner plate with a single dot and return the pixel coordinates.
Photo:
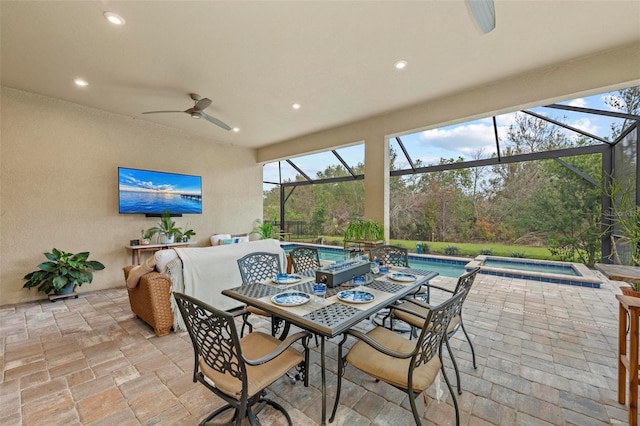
(291, 298)
(356, 296)
(290, 279)
(407, 278)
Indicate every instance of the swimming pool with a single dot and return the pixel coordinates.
(444, 266)
(526, 265)
(537, 270)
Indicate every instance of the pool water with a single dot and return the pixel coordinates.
(531, 266)
(445, 267)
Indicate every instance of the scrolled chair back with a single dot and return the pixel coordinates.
(304, 259)
(214, 337)
(429, 342)
(391, 255)
(259, 266)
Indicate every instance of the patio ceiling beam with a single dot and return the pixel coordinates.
(304, 175)
(406, 153)
(344, 163)
(567, 152)
(566, 126)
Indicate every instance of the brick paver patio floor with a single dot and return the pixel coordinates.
(546, 354)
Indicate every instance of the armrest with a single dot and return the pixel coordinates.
(279, 349)
(437, 287)
(379, 346)
(418, 302)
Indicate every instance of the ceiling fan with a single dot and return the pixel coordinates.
(197, 111)
(484, 13)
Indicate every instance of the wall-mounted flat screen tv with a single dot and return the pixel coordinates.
(152, 193)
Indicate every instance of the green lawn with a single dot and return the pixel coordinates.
(468, 249)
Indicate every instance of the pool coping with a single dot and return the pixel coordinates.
(586, 277)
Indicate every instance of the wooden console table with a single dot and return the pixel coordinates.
(135, 250)
(628, 362)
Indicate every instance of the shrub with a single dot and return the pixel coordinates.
(425, 248)
(517, 254)
(451, 250)
(485, 252)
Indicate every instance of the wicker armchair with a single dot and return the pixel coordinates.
(151, 300)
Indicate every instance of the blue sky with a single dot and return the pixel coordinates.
(466, 140)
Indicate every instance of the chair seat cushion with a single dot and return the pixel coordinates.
(394, 371)
(254, 345)
(257, 311)
(418, 321)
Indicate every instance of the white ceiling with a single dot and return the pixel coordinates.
(254, 59)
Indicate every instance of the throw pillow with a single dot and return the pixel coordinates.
(218, 239)
(138, 271)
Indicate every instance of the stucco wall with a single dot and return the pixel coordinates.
(58, 185)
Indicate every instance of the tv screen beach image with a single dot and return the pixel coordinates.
(150, 192)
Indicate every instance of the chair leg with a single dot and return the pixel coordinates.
(218, 411)
(453, 361)
(281, 409)
(473, 352)
(453, 396)
(414, 409)
(341, 367)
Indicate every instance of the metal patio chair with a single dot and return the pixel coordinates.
(304, 259)
(409, 365)
(414, 312)
(238, 370)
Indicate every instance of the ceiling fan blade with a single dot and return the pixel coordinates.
(159, 112)
(484, 13)
(215, 121)
(202, 104)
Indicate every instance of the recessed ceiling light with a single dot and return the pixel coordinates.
(401, 64)
(296, 106)
(236, 129)
(114, 18)
(80, 82)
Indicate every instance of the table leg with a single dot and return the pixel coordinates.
(633, 369)
(622, 352)
(324, 382)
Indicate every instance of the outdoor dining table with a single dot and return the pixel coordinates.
(333, 316)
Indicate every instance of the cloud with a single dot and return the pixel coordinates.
(464, 140)
(580, 102)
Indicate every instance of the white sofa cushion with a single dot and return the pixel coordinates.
(209, 270)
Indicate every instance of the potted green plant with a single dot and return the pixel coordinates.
(264, 229)
(166, 229)
(184, 236)
(360, 230)
(625, 217)
(62, 272)
(145, 237)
